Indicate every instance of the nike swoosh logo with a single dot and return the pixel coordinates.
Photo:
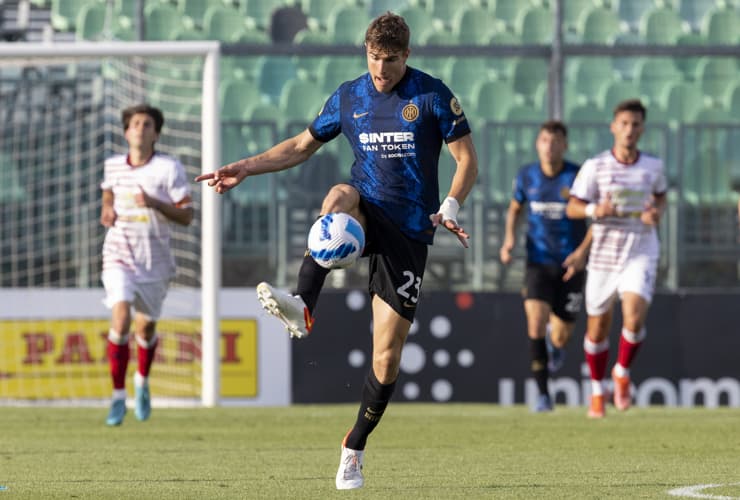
(359, 115)
(407, 305)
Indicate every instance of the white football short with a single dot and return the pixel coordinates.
(636, 276)
(146, 297)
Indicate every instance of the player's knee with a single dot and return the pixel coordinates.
(341, 198)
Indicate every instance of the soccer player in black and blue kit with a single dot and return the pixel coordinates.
(557, 249)
(396, 119)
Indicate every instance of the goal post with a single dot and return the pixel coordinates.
(26, 54)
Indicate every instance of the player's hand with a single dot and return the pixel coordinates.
(505, 252)
(451, 226)
(606, 208)
(651, 215)
(142, 199)
(224, 178)
(574, 263)
(108, 216)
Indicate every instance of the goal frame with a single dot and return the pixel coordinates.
(26, 52)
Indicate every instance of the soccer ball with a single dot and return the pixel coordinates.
(336, 240)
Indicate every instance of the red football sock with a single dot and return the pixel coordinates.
(629, 344)
(145, 354)
(118, 354)
(597, 356)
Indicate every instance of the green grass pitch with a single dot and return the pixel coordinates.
(419, 451)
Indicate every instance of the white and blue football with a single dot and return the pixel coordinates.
(336, 240)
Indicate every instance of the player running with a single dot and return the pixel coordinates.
(623, 192)
(396, 119)
(143, 191)
(557, 249)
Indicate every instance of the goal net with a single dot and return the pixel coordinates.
(61, 119)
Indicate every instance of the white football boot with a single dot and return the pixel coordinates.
(289, 309)
(349, 475)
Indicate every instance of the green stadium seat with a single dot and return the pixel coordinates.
(625, 65)
(261, 10)
(319, 12)
(503, 67)
(508, 11)
(526, 113)
(632, 11)
(236, 96)
(722, 27)
(334, 71)
(590, 75)
(535, 26)
(662, 26)
(239, 67)
(688, 64)
(694, 11)
(491, 100)
(273, 72)
(438, 66)
(716, 74)
(732, 100)
(617, 91)
(347, 25)
(223, 23)
(654, 73)
(445, 10)
(194, 11)
(527, 75)
(572, 12)
(264, 127)
(301, 101)
(599, 26)
(420, 21)
(586, 113)
(308, 66)
(191, 34)
(464, 73)
(63, 15)
(711, 115)
(90, 22)
(161, 22)
(708, 182)
(473, 26)
(233, 144)
(682, 101)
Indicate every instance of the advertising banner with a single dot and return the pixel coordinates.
(53, 346)
(474, 347)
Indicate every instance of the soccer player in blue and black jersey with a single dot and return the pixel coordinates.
(557, 249)
(396, 119)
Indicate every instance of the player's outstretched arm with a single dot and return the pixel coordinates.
(286, 154)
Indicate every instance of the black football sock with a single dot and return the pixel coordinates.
(538, 354)
(375, 397)
(311, 278)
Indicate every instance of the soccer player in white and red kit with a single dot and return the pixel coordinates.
(143, 191)
(623, 192)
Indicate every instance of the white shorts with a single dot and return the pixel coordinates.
(146, 297)
(637, 276)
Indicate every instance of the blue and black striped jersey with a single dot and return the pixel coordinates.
(396, 138)
(551, 236)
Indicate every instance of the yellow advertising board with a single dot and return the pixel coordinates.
(66, 358)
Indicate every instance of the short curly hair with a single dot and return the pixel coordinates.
(388, 32)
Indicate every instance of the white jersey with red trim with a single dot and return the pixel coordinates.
(139, 241)
(631, 188)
